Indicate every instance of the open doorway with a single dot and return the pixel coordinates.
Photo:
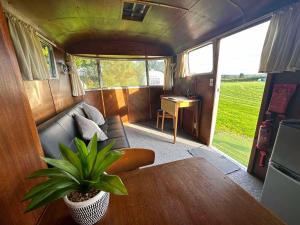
(240, 92)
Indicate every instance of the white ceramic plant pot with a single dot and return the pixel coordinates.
(90, 211)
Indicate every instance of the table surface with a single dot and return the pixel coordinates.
(180, 99)
(185, 192)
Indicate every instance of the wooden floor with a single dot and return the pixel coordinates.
(189, 191)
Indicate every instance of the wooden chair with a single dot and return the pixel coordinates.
(133, 158)
(159, 115)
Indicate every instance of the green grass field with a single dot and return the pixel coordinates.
(238, 110)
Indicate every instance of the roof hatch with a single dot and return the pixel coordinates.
(134, 11)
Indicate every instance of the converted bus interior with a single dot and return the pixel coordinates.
(128, 112)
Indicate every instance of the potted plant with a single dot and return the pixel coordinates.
(80, 179)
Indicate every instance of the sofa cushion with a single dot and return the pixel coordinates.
(88, 128)
(93, 114)
(50, 138)
(104, 127)
(120, 142)
(77, 110)
(67, 123)
(113, 119)
(112, 123)
(115, 133)
(115, 126)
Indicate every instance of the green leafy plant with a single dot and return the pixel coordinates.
(82, 171)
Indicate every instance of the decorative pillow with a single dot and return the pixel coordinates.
(93, 114)
(88, 128)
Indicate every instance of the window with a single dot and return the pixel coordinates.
(87, 69)
(120, 73)
(200, 60)
(156, 72)
(49, 56)
(109, 73)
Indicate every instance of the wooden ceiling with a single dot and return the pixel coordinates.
(70, 22)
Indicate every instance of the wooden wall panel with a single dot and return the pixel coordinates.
(155, 93)
(187, 124)
(199, 86)
(40, 98)
(116, 103)
(138, 104)
(61, 93)
(49, 97)
(132, 104)
(94, 98)
(61, 90)
(19, 143)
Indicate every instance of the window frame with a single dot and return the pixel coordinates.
(100, 78)
(188, 60)
(53, 68)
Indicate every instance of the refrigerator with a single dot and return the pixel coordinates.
(281, 190)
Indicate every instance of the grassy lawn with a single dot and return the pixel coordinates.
(238, 147)
(238, 110)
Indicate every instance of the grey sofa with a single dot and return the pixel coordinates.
(63, 129)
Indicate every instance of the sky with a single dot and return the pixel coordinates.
(240, 52)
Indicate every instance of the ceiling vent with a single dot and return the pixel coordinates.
(134, 11)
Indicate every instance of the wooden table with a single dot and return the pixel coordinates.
(172, 105)
(186, 192)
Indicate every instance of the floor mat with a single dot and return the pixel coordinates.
(216, 159)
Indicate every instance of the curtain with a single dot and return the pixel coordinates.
(181, 67)
(28, 49)
(77, 87)
(281, 51)
(168, 83)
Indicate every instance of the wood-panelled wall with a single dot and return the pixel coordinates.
(19, 143)
(199, 85)
(49, 97)
(132, 104)
(293, 112)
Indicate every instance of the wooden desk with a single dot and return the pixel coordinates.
(172, 105)
(186, 192)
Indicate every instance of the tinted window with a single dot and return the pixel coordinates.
(119, 73)
(87, 71)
